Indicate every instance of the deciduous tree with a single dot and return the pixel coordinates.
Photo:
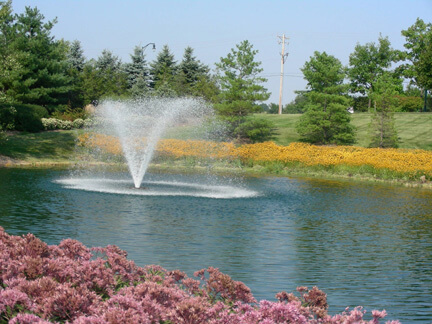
(367, 63)
(418, 46)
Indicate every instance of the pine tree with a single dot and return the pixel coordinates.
(76, 63)
(112, 78)
(163, 69)
(107, 61)
(9, 59)
(326, 120)
(43, 77)
(137, 71)
(241, 89)
(75, 56)
(384, 133)
(192, 68)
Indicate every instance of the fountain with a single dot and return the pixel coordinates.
(139, 125)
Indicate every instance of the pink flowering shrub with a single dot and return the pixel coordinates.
(70, 283)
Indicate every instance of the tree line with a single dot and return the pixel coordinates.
(37, 69)
(375, 75)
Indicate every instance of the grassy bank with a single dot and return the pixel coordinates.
(414, 129)
(44, 147)
(58, 148)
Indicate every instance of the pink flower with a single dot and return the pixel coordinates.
(24, 318)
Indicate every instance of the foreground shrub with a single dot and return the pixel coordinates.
(25, 118)
(54, 123)
(70, 283)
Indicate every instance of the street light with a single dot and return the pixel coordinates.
(153, 48)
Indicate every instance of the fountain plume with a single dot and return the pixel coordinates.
(139, 124)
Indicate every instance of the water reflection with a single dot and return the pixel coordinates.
(361, 244)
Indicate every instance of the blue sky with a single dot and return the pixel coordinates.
(212, 28)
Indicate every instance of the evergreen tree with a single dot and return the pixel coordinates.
(111, 80)
(164, 69)
(207, 88)
(76, 63)
(384, 133)
(75, 56)
(137, 71)
(43, 78)
(326, 120)
(191, 70)
(108, 62)
(9, 59)
(241, 87)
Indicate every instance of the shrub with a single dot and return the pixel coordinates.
(72, 283)
(409, 104)
(78, 123)
(27, 117)
(255, 130)
(7, 117)
(54, 123)
(70, 114)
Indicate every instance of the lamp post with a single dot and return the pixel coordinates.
(153, 48)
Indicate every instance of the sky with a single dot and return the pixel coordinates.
(213, 27)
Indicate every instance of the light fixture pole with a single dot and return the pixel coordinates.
(153, 48)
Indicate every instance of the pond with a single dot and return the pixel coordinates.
(362, 244)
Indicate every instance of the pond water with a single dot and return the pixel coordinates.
(362, 244)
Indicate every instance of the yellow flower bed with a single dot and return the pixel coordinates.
(399, 160)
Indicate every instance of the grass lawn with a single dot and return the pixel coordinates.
(47, 146)
(414, 129)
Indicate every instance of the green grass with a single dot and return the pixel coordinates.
(414, 129)
(56, 146)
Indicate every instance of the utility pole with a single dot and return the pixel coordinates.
(283, 58)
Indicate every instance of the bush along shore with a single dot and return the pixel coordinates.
(70, 283)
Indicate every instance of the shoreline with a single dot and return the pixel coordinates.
(257, 171)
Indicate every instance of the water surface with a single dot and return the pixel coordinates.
(362, 244)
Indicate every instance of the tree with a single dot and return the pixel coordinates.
(384, 133)
(76, 63)
(326, 120)
(207, 88)
(190, 72)
(9, 60)
(298, 105)
(367, 63)
(418, 46)
(104, 77)
(137, 71)
(241, 86)
(163, 69)
(75, 56)
(42, 78)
